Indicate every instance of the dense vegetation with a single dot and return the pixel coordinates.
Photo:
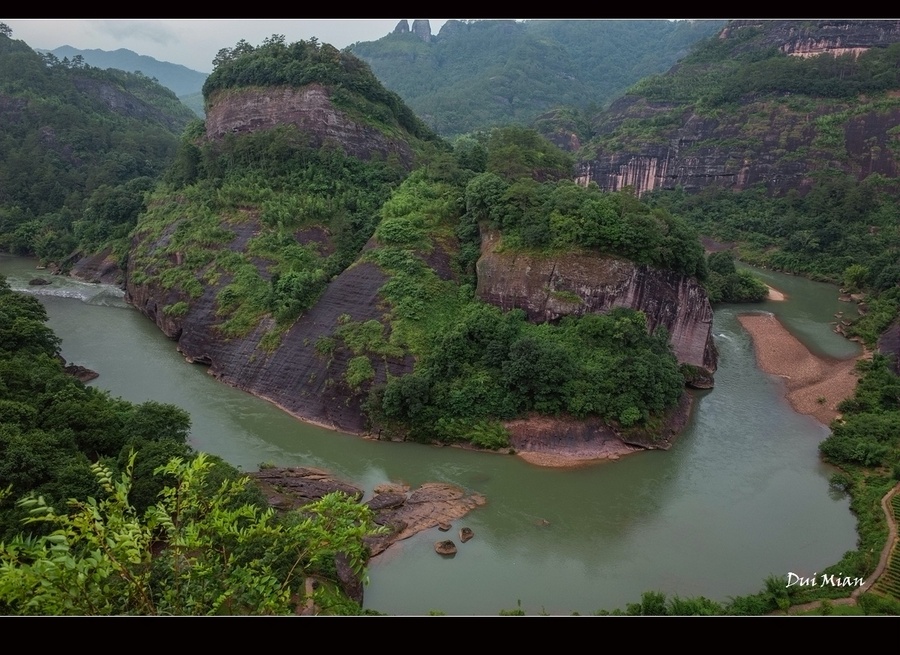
(122, 517)
(479, 74)
(78, 146)
(842, 231)
(477, 366)
(725, 283)
(278, 186)
(722, 71)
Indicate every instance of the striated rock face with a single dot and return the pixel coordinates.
(546, 288)
(241, 111)
(102, 267)
(815, 37)
(694, 157)
(294, 375)
(422, 29)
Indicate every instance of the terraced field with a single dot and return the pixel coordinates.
(889, 583)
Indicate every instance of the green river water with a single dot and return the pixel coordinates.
(742, 494)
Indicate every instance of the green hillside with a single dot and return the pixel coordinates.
(78, 145)
(476, 74)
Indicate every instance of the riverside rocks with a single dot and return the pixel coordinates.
(446, 547)
(402, 511)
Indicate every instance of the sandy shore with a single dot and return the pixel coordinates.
(569, 460)
(808, 378)
(774, 294)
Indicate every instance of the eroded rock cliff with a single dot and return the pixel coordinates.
(814, 37)
(245, 110)
(778, 134)
(548, 288)
(295, 375)
(704, 151)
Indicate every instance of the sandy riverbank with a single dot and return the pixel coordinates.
(807, 377)
(774, 294)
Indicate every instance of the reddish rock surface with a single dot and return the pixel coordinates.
(546, 288)
(309, 108)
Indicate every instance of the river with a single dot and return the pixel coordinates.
(742, 494)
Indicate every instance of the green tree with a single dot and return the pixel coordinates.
(193, 552)
(856, 275)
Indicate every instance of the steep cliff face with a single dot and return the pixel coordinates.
(889, 345)
(709, 151)
(812, 38)
(246, 110)
(548, 288)
(295, 375)
(775, 137)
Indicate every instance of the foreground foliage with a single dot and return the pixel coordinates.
(121, 516)
(193, 552)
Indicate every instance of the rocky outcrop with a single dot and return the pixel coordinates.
(404, 512)
(81, 373)
(564, 441)
(294, 376)
(309, 108)
(815, 37)
(100, 268)
(548, 288)
(400, 512)
(402, 27)
(422, 29)
(889, 345)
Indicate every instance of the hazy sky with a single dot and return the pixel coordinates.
(194, 42)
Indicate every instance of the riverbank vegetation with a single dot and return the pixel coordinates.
(105, 508)
(843, 231)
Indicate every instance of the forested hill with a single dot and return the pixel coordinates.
(185, 82)
(181, 79)
(476, 74)
(77, 146)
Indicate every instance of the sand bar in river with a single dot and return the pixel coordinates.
(808, 378)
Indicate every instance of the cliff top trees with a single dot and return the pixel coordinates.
(275, 63)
